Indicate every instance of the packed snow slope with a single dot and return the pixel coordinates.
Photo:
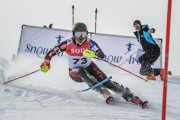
(54, 96)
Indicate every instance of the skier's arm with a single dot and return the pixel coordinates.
(56, 50)
(100, 53)
(152, 30)
(94, 46)
(45, 66)
(147, 29)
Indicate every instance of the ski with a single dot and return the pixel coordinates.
(96, 85)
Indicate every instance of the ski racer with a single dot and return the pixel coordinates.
(83, 69)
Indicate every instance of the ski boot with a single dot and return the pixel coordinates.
(151, 76)
(128, 96)
(136, 100)
(106, 94)
(125, 93)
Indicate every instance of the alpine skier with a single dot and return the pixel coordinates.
(83, 69)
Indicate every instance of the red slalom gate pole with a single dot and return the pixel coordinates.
(164, 100)
(21, 76)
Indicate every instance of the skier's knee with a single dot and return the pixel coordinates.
(76, 79)
(75, 74)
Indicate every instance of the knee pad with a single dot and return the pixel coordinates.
(75, 74)
(77, 70)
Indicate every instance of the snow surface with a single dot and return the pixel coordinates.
(54, 96)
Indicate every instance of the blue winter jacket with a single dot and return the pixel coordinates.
(146, 40)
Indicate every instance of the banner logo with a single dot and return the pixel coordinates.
(42, 51)
(126, 58)
(59, 39)
(129, 48)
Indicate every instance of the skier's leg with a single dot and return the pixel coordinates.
(90, 81)
(116, 87)
(86, 77)
(144, 60)
(82, 76)
(119, 89)
(74, 74)
(124, 92)
(145, 69)
(96, 72)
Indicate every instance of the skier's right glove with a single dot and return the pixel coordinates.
(45, 66)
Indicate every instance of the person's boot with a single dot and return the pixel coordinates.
(136, 100)
(151, 76)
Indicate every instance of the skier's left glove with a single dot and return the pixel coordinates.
(45, 66)
(98, 54)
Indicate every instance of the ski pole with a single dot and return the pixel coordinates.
(145, 79)
(95, 19)
(22, 76)
(73, 15)
(91, 54)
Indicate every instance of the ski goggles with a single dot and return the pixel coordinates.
(80, 34)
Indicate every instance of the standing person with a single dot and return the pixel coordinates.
(150, 48)
(83, 69)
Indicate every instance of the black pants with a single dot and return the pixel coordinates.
(94, 71)
(78, 74)
(146, 61)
